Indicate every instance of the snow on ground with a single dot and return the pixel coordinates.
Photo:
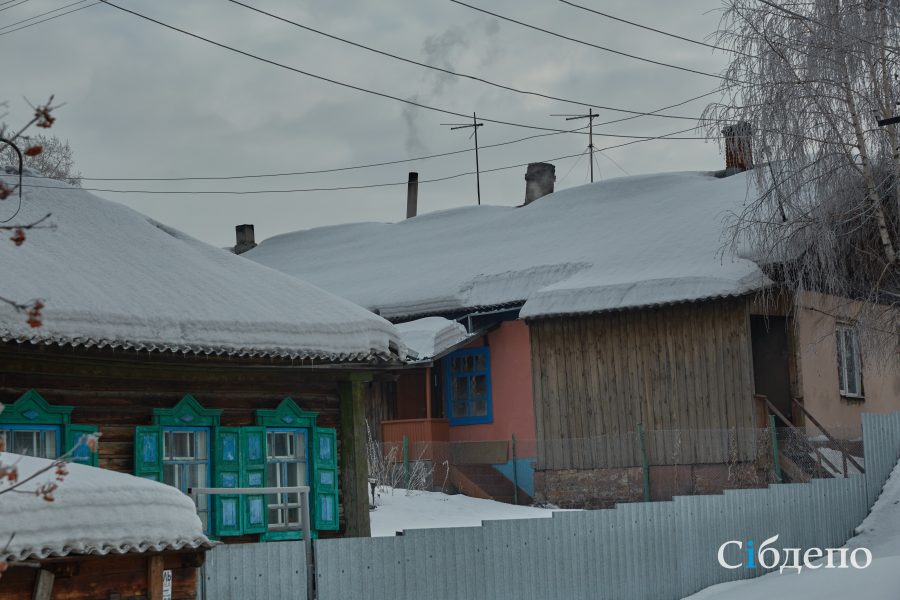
(837, 459)
(626, 242)
(427, 510)
(430, 336)
(95, 511)
(110, 276)
(879, 532)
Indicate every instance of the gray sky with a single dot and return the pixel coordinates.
(143, 101)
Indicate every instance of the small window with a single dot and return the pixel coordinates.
(468, 386)
(849, 361)
(287, 465)
(186, 463)
(41, 441)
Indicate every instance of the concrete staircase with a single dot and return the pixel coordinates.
(484, 481)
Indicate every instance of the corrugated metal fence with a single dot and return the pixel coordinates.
(656, 550)
(881, 444)
(275, 571)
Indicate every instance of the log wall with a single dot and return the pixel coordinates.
(118, 390)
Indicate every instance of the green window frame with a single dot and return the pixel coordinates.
(149, 449)
(287, 463)
(323, 498)
(31, 413)
(239, 458)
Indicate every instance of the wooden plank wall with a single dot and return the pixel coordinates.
(684, 367)
(119, 390)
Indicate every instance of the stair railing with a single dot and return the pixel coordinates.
(820, 458)
(845, 453)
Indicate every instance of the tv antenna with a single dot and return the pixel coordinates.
(474, 125)
(590, 116)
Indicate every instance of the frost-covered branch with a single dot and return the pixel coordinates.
(813, 79)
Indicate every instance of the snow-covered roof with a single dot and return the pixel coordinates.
(94, 511)
(621, 243)
(111, 276)
(430, 336)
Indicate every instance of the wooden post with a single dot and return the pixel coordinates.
(645, 461)
(43, 586)
(354, 467)
(428, 394)
(155, 577)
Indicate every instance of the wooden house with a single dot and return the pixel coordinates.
(620, 331)
(103, 535)
(197, 367)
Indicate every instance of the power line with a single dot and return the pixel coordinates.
(577, 41)
(448, 71)
(68, 12)
(653, 29)
(356, 87)
(14, 5)
(389, 162)
(42, 14)
(362, 186)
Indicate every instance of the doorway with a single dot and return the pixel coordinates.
(771, 361)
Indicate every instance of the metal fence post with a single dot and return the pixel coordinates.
(307, 541)
(645, 462)
(774, 436)
(406, 460)
(515, 466)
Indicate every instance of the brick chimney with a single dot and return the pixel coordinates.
(738, 148)
(539, 180)
(245, 238)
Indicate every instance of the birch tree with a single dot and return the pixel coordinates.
(812, 79)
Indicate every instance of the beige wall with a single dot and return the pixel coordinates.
(815, 321)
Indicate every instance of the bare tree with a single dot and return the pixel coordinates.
(55, 159)
(44, 119)
(812, 80)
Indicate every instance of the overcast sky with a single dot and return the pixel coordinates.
(143, 101)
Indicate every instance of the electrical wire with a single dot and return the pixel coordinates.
(653, 29)
(384, 163)
(68, 12)
(42, 14)
(362, 89)
(14, 5)
(454, 73)
(597, 46)
(362, 186)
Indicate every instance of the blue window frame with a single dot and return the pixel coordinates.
(467, 386)
(287, 464)
(186, 462)
(42, 441)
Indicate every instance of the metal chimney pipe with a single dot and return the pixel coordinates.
(412, 195)
(245, 238)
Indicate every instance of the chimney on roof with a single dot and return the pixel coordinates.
(245, 238)
(539, 180)
(412, 195)
(738, 148)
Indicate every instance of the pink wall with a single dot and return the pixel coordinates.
(513, 407)
(818, 368)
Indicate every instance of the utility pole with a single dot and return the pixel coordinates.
(590, 116)
(475, 125)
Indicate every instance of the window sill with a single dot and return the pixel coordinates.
(853, 398)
